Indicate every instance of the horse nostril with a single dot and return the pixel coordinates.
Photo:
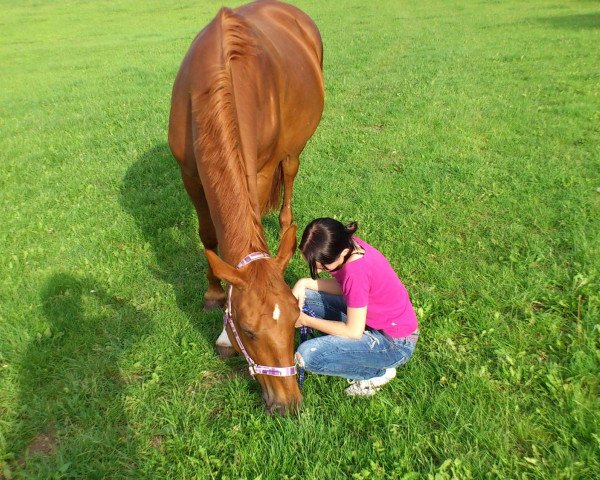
(292, 408)
(275, 408)
(267, 400)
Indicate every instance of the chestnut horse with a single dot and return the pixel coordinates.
(248, 96)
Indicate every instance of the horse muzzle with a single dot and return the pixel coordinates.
(281, 396)
(289, 408)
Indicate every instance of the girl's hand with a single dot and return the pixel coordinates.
(301, 319)
(299, 292)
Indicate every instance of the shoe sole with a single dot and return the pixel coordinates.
(370, 393)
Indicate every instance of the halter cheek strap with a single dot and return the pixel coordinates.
(228, 320)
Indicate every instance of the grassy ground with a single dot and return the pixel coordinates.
(464, 137)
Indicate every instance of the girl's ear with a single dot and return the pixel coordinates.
(344, 253)
(287, 246)
(224, 271)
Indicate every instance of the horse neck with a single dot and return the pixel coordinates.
(228, 165)
(229, 185)
(237, 222)
(237, 241)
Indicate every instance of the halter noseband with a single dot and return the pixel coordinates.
(228, 320)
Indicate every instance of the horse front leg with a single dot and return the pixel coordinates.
(214, 297)
(290, 170)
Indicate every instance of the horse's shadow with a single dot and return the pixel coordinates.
(71, 387)
(153, 194)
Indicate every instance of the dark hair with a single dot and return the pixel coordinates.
(323, 240)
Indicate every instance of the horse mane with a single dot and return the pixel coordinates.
(220, 142)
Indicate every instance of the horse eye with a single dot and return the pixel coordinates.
(249, 334)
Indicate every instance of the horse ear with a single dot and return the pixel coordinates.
(287, 246)
(223, 270)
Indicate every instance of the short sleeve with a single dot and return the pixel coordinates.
(356, 290)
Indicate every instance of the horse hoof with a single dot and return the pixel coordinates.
(225, 352)
(213, 304)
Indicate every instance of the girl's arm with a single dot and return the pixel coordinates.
(327, 285)
(353, 328)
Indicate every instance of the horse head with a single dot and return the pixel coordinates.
(264, 312)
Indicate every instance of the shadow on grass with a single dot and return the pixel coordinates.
(152, 193)
(72, 420)
(576, 22)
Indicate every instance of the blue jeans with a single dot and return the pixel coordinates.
(360, 359)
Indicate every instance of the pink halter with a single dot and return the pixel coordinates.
(228, 319)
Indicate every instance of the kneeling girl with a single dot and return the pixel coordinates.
(364, 310)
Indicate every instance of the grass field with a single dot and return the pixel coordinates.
(464, 137)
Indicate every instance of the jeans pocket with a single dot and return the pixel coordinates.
(373, 340)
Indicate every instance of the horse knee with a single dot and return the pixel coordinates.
(285, 219)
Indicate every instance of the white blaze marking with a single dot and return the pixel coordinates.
(223, 340)
(276, 312)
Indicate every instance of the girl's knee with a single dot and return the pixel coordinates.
(302, 354)
(312, 296)
(308, 355)
(299, 360)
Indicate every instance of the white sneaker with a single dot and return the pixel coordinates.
(369, 387)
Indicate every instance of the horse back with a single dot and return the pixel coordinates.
(275, 68)
(293, 44)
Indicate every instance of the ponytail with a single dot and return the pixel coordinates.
(351, 228)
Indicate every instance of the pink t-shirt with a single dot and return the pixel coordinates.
(370, 281)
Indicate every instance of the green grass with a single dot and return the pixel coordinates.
(464, 137)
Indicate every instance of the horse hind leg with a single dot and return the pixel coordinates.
(290, 170)
(215, 296)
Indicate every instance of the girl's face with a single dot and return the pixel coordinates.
(333, 266)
